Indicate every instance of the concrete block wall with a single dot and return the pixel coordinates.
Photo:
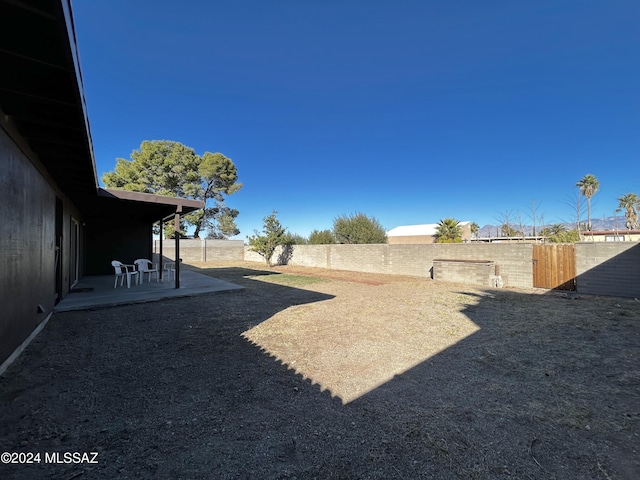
(514, 260)
(202, 250)
(608, 268)
(360, 258)
(250, 256)
(476, 273)
(312, 256)
(223, 250)
(356, 258)
(416, 260)
(601, 268)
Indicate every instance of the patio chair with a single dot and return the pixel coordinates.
(122, 271)
(146, 266)
(170, 269)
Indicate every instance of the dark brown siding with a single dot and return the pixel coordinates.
(27, 247)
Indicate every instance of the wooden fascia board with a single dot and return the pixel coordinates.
(184, 204)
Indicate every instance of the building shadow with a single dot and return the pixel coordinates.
(618, 275)
(544, 387)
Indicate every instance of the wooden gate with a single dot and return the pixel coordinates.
(554, 266)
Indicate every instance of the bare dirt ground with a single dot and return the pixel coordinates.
(332, 375)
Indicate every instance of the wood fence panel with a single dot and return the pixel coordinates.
(554, 266)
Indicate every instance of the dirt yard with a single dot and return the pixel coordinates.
(320, 374)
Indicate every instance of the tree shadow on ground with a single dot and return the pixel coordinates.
(545, 388)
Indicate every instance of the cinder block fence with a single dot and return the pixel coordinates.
(604, 268)
(202, 250)
(601, 268)
(512, 260)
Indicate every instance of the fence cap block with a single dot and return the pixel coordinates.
(462, 261)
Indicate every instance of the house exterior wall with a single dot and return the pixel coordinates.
(619, 236)
(411, 240)
(125, 242)
(426, 239)
(28, 243)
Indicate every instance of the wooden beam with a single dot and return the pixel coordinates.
(176, 228)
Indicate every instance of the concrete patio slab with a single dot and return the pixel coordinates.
(98, 291)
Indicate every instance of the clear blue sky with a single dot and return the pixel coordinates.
(407, 111)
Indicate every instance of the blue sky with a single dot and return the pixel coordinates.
(407, 111)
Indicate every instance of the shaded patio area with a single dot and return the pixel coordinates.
(98, 291)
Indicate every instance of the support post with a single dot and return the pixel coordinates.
(160, 263)
(176, 226)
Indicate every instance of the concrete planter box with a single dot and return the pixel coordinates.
(476, 272)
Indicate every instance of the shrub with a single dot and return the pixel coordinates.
(358, 228)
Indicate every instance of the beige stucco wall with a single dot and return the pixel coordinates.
(412, 240)
(426, 239)
(626, 237)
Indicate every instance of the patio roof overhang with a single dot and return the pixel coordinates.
(144, 207)
(118, 204)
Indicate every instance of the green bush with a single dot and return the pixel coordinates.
(358, 229)
(323, 237)
(273, 235)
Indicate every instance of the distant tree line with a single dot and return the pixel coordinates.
(588, 186)
(347, 229)
(357, 228)
(360, 229)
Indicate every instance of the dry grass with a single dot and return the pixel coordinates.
(323, 374)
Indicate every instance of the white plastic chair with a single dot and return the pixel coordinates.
(170, 269)
(122, 271)
(146, 266)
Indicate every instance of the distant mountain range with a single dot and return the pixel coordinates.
(607, 223)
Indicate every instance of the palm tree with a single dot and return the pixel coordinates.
(552, 230)
(475, 228)
(508, 231)
(588, 187)
(448, 231)
(557, 229)
(631, 204)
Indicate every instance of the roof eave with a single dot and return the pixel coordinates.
(187, 205)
